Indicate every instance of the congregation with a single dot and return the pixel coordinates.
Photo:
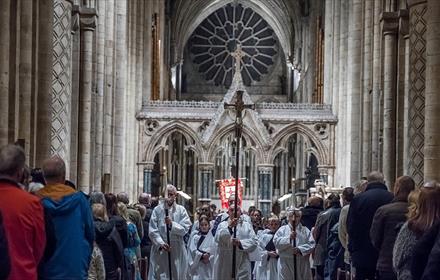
(50, 230)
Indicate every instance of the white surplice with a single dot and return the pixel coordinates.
(223, 259)
(304, 242)
(159, 267)
(197, 268)
(267, 267)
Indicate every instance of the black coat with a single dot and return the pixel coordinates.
(109, 241)
(5, 264)
(384, 229)
(426, 257)
(359, 220)
(145, 241)
(309, 215)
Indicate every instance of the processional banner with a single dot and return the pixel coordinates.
(227, 188)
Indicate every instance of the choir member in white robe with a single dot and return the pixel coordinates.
(267, 267)
(245, 242)
(202, 251)
(222, 217)
(284, 243)
(180, 224)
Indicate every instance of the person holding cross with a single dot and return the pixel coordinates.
(168, 214)
(294, 243)
(245, 242)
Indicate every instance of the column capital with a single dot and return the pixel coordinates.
(206, 166)
(412, 3)
(88, 18)
(149, 165)
(404, 22)
(390, 23)
(265, 168)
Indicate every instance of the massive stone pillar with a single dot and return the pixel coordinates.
(375, 116)
(328, 49)
(265, 188)
(389, 28)
(87, 25)
(45, 59)
(432, 93)
(25, 74)
(417, 64)
(354, 88)
(366, 87)
(99, 116)
(119, 131)
(343, 158)
(5, 11)
(60, 103)
(206, 179)
(109, 87)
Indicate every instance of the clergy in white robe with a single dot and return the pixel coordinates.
(225, 216)
(201, 251)
(179, 223)
(284, 243)
(245, 242)
(267, 267)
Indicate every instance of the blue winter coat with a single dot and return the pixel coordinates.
(74, 230)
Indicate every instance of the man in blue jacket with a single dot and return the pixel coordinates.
(73, 223)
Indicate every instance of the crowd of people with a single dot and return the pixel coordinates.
(50, 230)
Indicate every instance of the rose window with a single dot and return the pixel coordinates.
(216, 38)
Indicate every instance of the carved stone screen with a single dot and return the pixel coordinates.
(217, 37)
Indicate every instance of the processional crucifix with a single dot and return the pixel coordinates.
(239, 106)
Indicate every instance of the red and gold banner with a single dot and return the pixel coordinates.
(227, 188)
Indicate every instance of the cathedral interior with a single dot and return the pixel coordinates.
(131, 93)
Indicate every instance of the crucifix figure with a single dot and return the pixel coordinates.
(239, 106)
(238, 55)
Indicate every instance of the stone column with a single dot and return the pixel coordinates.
(109, 88)
(206, 181)
(25, 74)
(344, 166)
(119, 130)
(401, 116)
(99, 115)
(87, 25)
(5, 10)
(148, 170)
(366, 87)
(417, 64)
(375, 117)
(45, 59)
(61, 92)
(389, 28)
(265, 187)
(432, 96)
(354, 88)
(328, 50)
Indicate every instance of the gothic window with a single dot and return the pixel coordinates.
(217, 37)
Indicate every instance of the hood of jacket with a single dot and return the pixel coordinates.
(103, 229)
(63, 206)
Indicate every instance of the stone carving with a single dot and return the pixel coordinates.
(61, 80)
(321, 130)
(150, 127)
(417, 44)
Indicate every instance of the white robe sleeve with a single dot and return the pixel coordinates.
(195, 254)
(282, 239)
(154, 232)
(223, 236)
(306, 242)
(249, 244)
(181, 227)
